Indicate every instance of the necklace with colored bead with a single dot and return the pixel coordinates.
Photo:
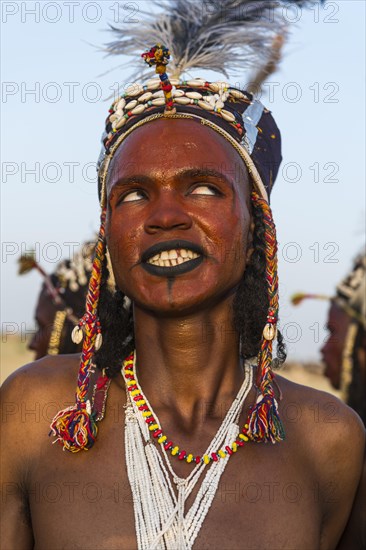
(142, 405)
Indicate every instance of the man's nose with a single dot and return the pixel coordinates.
(167, 213)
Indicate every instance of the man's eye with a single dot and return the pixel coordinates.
(205, 190)
(133, 196)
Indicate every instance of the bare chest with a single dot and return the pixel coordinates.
(85, 501)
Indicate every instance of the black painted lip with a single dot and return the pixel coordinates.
(172, 271)
(170, 245)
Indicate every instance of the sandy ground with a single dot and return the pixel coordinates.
(14, 354)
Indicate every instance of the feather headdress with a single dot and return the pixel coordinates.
(217, 35)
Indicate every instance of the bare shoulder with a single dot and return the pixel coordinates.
(320, 415)
(32, 395)
(47, 376)
(330, 439)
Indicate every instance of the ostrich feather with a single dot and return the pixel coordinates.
(219, 35)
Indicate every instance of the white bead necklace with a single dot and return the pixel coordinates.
(160, 519)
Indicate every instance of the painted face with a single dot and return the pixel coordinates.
(338, 323)
(44, 316)
(178, 216)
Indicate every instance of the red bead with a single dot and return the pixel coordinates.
(182, 455)
(168, 445)
(149, 419)
(131, 388)
(157, 433)
(197, 459)
(143, 408)
(240, 442)
(214, 456)
(229, 451)
(138, 397)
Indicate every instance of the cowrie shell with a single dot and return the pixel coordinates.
(205, 105)
(218, 86)
(197, 83)
(153, 84)
(138, 110)
(131, 105)
(121, 104)
(174, 81)
(158, 101)
(236, 94)
(145, 97)
(98, 341)
(120, 123)
(269, 332)
(182, 100)
(227, 116)
(194, 95)
(178, 93)
(77, 335)
(159, 93)
(134, 89)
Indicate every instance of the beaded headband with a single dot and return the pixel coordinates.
(236, 115)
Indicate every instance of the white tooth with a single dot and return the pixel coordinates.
(164, 255)
(184, 253)
(155, 258)
(174, 262)
(190, 254)
(180, 260)
(195, 255)
(173, 255)
(167, 263)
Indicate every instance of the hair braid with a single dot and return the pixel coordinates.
(264, 422)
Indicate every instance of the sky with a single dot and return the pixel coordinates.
(56, 82)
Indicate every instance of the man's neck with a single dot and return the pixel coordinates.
(184, 362)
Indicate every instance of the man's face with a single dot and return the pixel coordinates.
(332, 351)
(178, 217)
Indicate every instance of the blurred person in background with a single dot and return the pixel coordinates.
(61, 301)
(344, 351)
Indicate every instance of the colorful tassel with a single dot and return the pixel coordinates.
(159, 56)
(75, 428)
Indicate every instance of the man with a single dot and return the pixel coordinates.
(344, 352)
(184, 192)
